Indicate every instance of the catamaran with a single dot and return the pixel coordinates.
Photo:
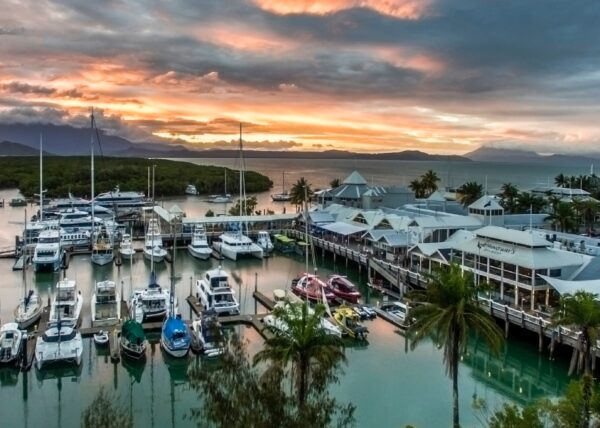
(61, 342)
(234, 244)
(150, 303)
(213, 292)
(199, 246)
(106, 305)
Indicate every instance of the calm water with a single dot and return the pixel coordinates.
(390, 385)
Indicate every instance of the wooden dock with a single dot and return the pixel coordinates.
(28, 357)
(267, 302)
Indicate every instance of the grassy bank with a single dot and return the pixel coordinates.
(72, 174)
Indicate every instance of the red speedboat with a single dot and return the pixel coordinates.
(309, 287)
(343, 288)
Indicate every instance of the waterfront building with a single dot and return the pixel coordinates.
(515, 263)
(565, 194)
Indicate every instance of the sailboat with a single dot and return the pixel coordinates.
(29, 310)
(284, 196)
(310, 286)
(151, 303)
(175, 338)
(102, 247)
(225, 198)
(233, 244)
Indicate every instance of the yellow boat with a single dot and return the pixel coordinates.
(349, 322)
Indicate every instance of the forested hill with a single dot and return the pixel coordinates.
(72, 174)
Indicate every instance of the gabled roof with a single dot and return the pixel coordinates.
(447, 221)
(513, 236)
(319, 217)
(486, 202)
(436, 197)
(342, 228)
(355, 178)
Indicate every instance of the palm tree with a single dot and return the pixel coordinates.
(587, 209)
(469, 193)
(417, 186)
(429, 182)
(561, 180)
(336, 182)
(301, 192)
(582, 312)
(305, 345)
(451, 313)
(528, 202)
(563, 217)
(509, 194)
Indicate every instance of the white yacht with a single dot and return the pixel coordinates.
(61, 342)
(153, 246)
(213, 292)
(220, 199)
(102, 250)
(29, 310)
(151, 303)
(47, 255)
(277, 323)
(199, 246)
(191, 190)
(79, 239)
(126, 248)
(122, 202)
(73, 220)
(10, 343)
(106, 305)
(67, 303)
(264, 241)
(235, 244)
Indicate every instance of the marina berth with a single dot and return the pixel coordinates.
(60, 342)
(199, 247)
(214, 292)
(11, 343)
(48, 254)
(105, 304)
(67, 303)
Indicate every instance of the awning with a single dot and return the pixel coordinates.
(570, 287)
(342, 228)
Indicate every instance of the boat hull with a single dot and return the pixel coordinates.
(46, 266)
(133, 353)
(102, 260)
(127, 254)
(157, 258)
(199, 254)
(176, 353)
(231, 254)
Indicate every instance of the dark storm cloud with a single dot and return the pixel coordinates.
(25, 88)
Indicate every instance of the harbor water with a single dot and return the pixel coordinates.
(390, 384)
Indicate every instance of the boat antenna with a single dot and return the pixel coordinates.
(92, 170)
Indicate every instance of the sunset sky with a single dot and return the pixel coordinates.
(442, 76)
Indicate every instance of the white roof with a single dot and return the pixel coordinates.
(343, 228)
(513, 236)
(436, 197)
(486, 202)
(570, 287)
(355, 178)
(447, 221)
(237, 219)
(175, 209)
(532, 258)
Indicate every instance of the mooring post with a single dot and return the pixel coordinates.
(255, 291)
(506, 321)
(541, 335)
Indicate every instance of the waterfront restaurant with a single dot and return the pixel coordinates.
(512, 261)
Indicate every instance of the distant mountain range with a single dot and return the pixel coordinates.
(64, 140)
(492, 154)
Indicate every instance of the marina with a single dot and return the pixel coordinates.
(349, 260)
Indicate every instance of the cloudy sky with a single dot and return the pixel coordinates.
(443, 76)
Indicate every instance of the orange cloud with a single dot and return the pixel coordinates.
(401, 9)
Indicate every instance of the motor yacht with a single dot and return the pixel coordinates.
(67, 303)
(191, 190)
(126, 248)
(208, 332)
(106, 304)
(264, 241)
(70, 240)
(74, 220)
(102, 249)
(48, 254)
(11, 343)
(213, 292)
(153, 246)
(343, 288)
(199, 246)
(294, 309)
(311, 287)
(121, 202)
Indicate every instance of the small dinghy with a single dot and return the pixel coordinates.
(101, 338)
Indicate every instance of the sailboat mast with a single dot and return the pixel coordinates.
(41, 182)
(306, 227)
(152, 249)
(283, 190)
(92, 169)
(242, 202)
